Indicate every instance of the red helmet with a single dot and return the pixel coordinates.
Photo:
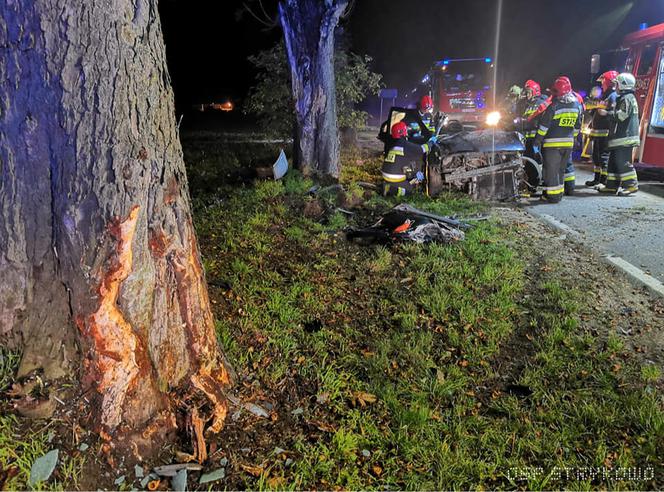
(399, 130)
(534, 87)
(607, 79)
(426, 103)
(561, 87)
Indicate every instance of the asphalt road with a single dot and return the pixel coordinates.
(628, 227)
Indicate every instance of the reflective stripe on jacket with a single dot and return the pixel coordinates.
(625, 122)
(403, 160)
(530, 124)
(560, 123)
(601, 123)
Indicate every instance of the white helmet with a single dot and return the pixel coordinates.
(626, 82)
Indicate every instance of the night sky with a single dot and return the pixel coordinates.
(207, 45)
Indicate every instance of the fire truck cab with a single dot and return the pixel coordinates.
(641, 54)
(461, 88)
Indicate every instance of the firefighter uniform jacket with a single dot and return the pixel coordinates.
(403, 161)
(600, 124)
(559, 125)
(624, 131)
(530, 124)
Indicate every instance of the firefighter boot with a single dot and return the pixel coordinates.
(595, 181)
(569, 187)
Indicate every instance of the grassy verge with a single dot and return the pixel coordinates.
(418, 367)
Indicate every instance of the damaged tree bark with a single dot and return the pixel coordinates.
(99, 264)
(309, 27)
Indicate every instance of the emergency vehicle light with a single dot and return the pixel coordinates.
(487, 60)
(446, 62)
(643, 26)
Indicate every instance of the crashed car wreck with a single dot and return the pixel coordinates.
(487, 164)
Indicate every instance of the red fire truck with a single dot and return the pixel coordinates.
(641, 54)
(461, 88)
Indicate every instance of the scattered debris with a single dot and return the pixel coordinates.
(120, 480)
(223, 461)
(256, 410)
(154, 484)
(83, 447)
(366, 453)
(138, 471)
(404, 222)
(148, 479)
(172, 470)
(278, 169)
(213, 476)
(179, 482)
(43, 467)
(297, 411)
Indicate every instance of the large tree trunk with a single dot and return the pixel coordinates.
(100, 274)
(309, 27)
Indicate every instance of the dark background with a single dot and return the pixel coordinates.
(207, 44)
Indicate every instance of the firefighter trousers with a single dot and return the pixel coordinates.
(401, 188)
(555, 162)
(621, 172)
(601, 155)
(570, 176)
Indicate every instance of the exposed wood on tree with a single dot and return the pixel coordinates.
(309, 27)
(101, 275)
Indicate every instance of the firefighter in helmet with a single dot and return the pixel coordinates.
(425, 108)
(570, 173)
(559, 125)
(623, 137)
(599, 129)
(404, 163)
(514, 99)
(422, 128)
(534, 98)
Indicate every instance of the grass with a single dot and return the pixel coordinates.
(22, 442)
(400, 378)
(400, 367)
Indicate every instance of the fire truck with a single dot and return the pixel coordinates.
(641, 54)
(461, 88)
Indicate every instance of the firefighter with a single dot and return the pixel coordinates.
(558, 127)
(623, 137)
(416, 133)
(404, 163)
(591, 103)
(570, 174)
(533, 98)
(425, 108)
(513, 99)
(599, 130)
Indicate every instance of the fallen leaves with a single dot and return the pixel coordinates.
(362, 399)
(256, 471)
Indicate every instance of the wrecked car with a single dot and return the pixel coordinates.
(486, 163)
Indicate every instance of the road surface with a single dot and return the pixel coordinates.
(629, 227)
